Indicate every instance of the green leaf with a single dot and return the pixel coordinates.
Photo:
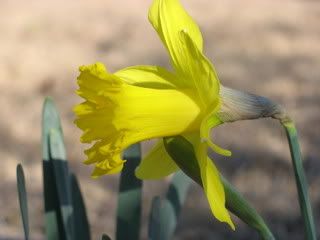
(239, 206)
(62, 179)
(80, 219)
(183, 154)
(50, 120)
(154, 227)
(23, 201)
(301, 181)
(173, 204)
(129, 199)
(165, 214)
(57, 191)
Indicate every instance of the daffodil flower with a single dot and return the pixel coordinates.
(145, 102)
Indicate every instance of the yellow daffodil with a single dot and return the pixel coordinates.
(144, 102)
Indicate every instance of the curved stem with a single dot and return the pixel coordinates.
(301, 180)
(238, 105)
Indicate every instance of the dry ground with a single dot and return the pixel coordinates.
(267, 47)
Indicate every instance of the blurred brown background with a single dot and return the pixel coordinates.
(269, 47)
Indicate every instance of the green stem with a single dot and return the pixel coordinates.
(182, 152)
(239, 206)
(301, 181)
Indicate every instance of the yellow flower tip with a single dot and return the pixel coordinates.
(231, 224)
(95, 176)
(97, 172)
(84, 137)
(226, 218)
(87, 162)
(101, 169)
(228, 153)
(105, 163)
(233, 227)
(211, 121)
(97, 67)
(218, 149)
(110, 163)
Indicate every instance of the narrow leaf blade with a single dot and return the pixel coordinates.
(61, 177)
(23, 201)
(53, 220)
(165, 213)
(129, 199)
(80, 219)
(50, 120)
(154, 228)
(54, 166)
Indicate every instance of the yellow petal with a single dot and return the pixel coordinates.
(218, 149)
(211, 182)
(209, 122)
(156, 164)
(199, 71)
(169, 18)
(183, 40)
(116, 114)
(98, 172)
(147, 76)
